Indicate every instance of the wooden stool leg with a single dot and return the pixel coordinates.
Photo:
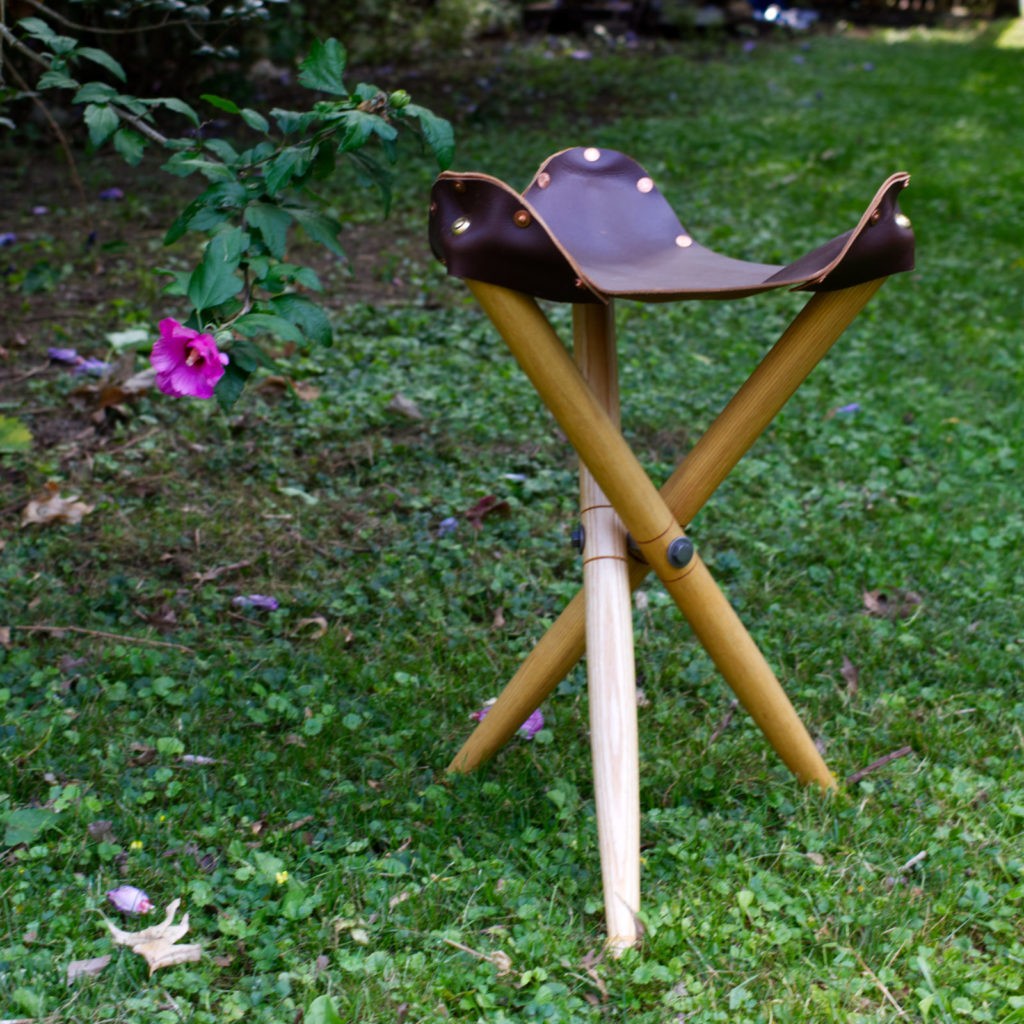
(652, 525)
(786, 366)
(611, 670)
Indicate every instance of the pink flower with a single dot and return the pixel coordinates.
(188, 364)
(130, 900)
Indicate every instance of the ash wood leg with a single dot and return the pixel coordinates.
(611, 670)
(783, 369)
(653, 526)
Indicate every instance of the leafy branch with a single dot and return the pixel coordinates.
(243, 287)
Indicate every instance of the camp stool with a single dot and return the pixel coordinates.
(592, 227)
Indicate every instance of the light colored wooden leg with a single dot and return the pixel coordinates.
(784, 368)
(611, 670)
(652, 525)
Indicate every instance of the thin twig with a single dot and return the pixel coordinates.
(105, 636)
(880, 763)
(724, 723)
(132, 30)
(881, 985)
(55, 128)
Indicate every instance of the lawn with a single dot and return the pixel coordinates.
(282, 771)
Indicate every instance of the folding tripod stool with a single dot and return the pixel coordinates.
(590, 228)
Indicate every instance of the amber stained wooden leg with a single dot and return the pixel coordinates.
(755, 405)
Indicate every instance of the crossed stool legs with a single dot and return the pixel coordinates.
(616, 497)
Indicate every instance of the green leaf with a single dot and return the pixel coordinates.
(221, 103)
(321, 229)
(310, 319)
(249, 356)
(289, 121)
(323, 68)
(253, 324)
(359, 126)
(272, 222)
(14, 435)
(94, 92)
(56, 78)
(223, 149)
(215, 205)
(289, 163)
(255, 120)
(25, 825)
(438, 132)
(178, 106)
(322, 1011)
(102, 58)
(130, 144)
(215, 279)
(102, 121)
(37, 28)
(185, 163)
(230, 387)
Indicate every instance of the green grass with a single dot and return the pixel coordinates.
(330, 720)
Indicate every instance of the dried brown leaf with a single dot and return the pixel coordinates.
(164, 953)
(899, 604)
(404, 406)
(50, 506)
(851, 674)
(318, 630)
(5, 637)
(86, 968)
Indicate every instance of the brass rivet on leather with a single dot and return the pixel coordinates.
(644, 185)
(902, 220)
(578, 283)
(876, 216)
(591, 155)
(684, 241)
(543, 179)
(460, 225)
(522, 219)
(433, 209)
(460, 186)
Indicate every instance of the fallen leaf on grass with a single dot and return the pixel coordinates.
(158, 945)
(851, 674)
(5, 637)
(900, 604)
(311, 629)
(86, 968)
(50, 506)
(490, 505)
(404, 406)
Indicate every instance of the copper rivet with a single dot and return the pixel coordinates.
(522, 219)
(876, 216)
(644, 185)
(684, 241)
(460, 225)
(578, 283)
(591, 155)
(902, 220)
(433, 209)
(460, 186)
(543, 179)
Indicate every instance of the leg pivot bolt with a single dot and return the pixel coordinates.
(680, 551)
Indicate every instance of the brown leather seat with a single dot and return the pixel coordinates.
(592, 226)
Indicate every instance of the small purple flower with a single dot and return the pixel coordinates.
(40, 211)
(260, 601)
(188, 364)
(64, 355)
(749, 46)
(532, 725)
(527, 730)
(130, 900)
(868, 66)
(95, 367)
(848, 410)
(446, 526)
(7, 238)
(112, 194)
